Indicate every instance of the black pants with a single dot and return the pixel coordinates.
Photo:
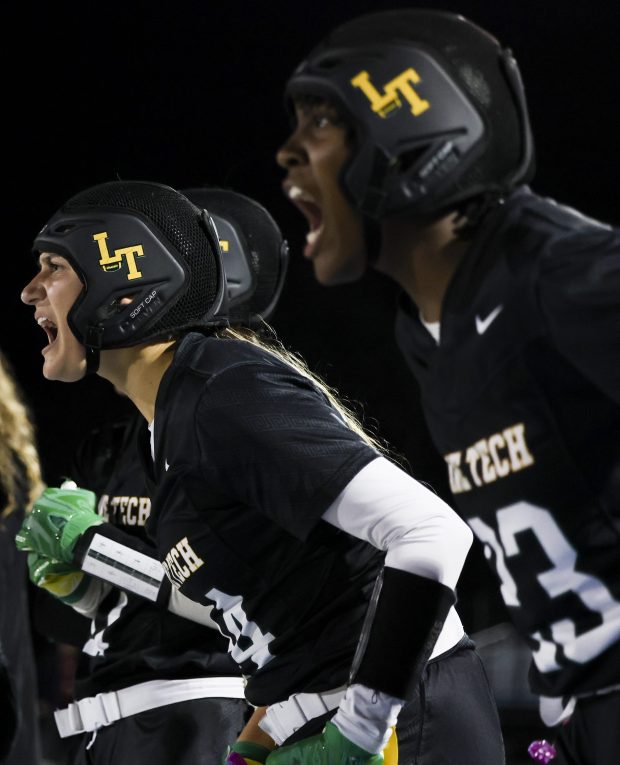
(592, 734)
(195, 732)
(453, 718)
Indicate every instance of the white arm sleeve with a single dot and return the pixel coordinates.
(182, 606)
(418, 531)
(421, 535)
(88, 604)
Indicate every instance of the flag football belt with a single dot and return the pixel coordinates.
(96, 712)
(284, 718)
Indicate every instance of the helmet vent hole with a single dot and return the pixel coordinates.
(329, 62)
(115, 306)
(409, 159)
(64, 228)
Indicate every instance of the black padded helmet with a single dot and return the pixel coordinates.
(254, 253)
(144, 241)
(437, 109)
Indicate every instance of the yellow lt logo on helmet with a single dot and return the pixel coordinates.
(384, 103)
(114, 262)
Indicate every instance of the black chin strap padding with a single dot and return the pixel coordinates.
(374, 198)
(92, 360)
(92, 342)
(372, 240)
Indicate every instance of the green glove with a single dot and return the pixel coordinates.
(246, 753)
(82, 592)
(58, 519)
(61, 580)
(328, 748)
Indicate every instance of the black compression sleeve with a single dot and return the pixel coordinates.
(400, 632)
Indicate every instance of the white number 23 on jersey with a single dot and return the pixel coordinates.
(561, 578)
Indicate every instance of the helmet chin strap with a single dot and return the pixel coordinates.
(92, 360)
(372, 239)
(92, 343)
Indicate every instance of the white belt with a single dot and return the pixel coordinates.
(282, 719)
(96, 712)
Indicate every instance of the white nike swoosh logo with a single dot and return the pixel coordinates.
(166, 464)
(483, 324)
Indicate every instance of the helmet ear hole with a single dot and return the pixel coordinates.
(408, 159)
(117, 305)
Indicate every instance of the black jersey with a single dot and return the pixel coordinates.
(248, 456)
(132, 640)
(522, 398)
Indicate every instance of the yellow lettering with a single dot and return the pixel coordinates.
(171, 572)
(486, 463)
(488, 471)
(114, 262)
(129, 253)
(106, 262)
(458, 482)
(102, 507)
(144, 510)
(132, 518)
(518, 452)
(471, 457)
(190, 557)
(122, 504)
(224, 245)
(384, 103)
(502, 466)
(174, 559)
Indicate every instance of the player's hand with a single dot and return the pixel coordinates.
(328, 748)
(82, 592)
(61, 580)
(246, 753)
(58, 519)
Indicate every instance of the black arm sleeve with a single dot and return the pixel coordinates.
(395, 644)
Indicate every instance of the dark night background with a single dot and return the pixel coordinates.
(190, 92)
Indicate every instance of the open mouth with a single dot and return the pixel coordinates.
(50, 329)
(313, 214)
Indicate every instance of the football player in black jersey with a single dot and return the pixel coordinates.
(186, 692)
(411, 154)
(330, 570)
